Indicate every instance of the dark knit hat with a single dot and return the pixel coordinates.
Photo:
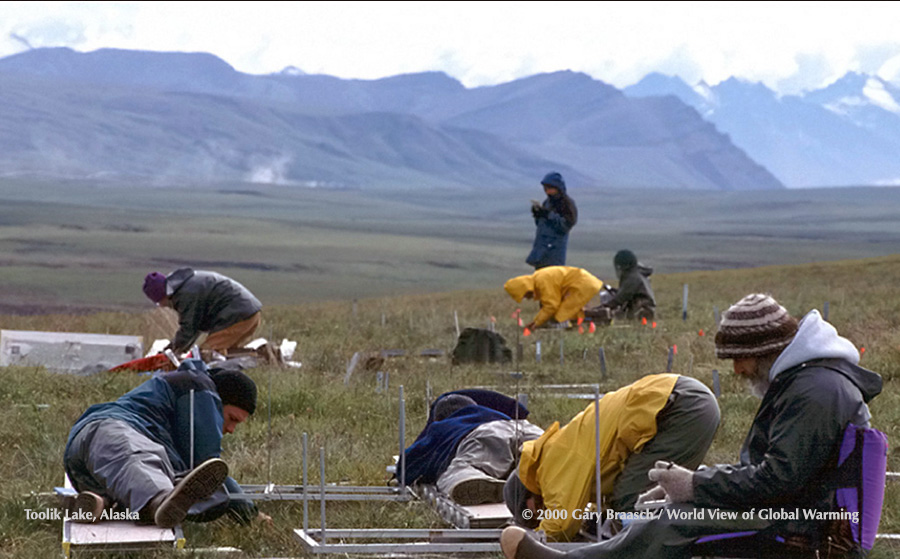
(155, 286)
(236, 388)
(555, 180)
(753, 327)
(625, 259)
(515, 494)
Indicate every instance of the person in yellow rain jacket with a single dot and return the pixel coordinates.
(659, 417)
(563, 291)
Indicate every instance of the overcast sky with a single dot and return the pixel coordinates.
(789, 46)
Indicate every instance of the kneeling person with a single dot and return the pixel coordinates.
(659, 417)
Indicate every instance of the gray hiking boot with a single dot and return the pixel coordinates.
(477, 492)
(170, 509)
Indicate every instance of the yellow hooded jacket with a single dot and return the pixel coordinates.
(563, 291)
(560, 465)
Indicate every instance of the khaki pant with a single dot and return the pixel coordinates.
(235, 336)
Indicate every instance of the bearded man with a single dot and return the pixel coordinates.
(812, 389)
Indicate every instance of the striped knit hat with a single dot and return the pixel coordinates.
(754, 326)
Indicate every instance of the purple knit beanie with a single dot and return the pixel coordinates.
(155, 286)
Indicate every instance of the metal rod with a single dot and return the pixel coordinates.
(671, 360)
(456, 321)
(597, 453)
(602, 356)
(192, 428)
(684, 303)
(717, 387)
(305, 488)
(322, 487)
(269, 441)
(537, 351)
(402, 437)
(562, 358)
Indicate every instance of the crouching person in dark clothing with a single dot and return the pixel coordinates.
(634, 298)
(135, 453)
(206, 302)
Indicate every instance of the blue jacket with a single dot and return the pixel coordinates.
(160, 409)
(553, 226)
(435, 447)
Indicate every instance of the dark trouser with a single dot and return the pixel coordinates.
(685, 428)
(667, 537)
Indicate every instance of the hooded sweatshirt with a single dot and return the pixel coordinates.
(563, 291)
(791, 451)
(552, 235)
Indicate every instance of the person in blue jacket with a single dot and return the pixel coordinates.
(469, 445)
(554, 219)
(135, 453)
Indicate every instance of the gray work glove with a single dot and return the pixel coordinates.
(677, 482)
(655, 494)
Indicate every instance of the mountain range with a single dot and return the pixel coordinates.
(846, 134)
(173, 118)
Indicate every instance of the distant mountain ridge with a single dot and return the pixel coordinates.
(846, 134)
(173, 117)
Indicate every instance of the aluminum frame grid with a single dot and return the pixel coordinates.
(428, 541)
(458, 515)
(332, 493)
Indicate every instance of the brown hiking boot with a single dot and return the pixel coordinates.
(87, 507)
(170, 509)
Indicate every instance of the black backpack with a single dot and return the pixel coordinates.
(477, 345)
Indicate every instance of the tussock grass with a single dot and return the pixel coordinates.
(357, 426)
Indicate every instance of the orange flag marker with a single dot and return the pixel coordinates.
(526, 333)
(592, 328)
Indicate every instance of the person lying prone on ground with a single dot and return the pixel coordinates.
(135, 453)
(470, 445)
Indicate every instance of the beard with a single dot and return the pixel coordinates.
(758, 387)
(758, 383)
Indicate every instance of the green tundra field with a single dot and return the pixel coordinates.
(73, 257)
(72, 246)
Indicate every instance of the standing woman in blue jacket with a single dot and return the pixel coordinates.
(554, 218)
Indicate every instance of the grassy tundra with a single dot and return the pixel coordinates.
(358, 427)
(69, 246)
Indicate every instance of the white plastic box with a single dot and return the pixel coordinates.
(68, 352)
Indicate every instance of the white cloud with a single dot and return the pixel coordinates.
(786, 45)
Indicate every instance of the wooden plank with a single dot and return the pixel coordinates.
(115, 535)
